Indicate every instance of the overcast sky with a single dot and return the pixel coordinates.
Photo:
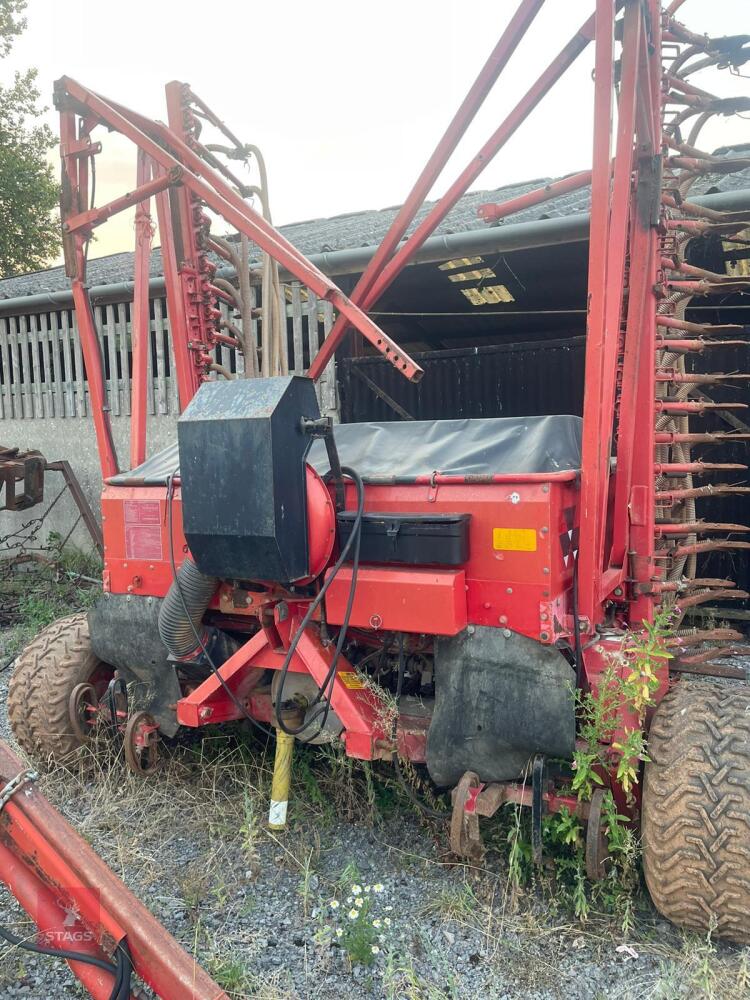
(346, 99)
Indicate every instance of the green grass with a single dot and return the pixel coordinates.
(229, 972)
(38, 591)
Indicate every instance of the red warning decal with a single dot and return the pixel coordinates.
(143, 530)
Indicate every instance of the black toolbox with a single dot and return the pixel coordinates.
(409, 539)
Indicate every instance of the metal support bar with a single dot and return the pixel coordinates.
(79, 497)
(494, 212)
(140, 318)
(382, 394)
(92, 357)
(96, 216)
(592, 487)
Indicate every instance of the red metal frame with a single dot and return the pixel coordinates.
(626, 523)
(619, 560)
(141, 318)
(633, 538)
(495, 212)
(621, 552)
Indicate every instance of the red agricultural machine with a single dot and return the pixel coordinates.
(426, 591)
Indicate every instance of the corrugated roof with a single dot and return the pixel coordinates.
(360, 229)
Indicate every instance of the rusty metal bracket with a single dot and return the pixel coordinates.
(465, 838)
(79, 498)
(29, 467)
(21, 466)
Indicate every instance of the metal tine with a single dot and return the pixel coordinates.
(678, 586)
(701, 329)
(683, 407)
(698, 378)
(694, 600)
(696, 492)
(709, 654)
(714, 545)
(672, 529)
(696, 346)
(666, 437)
(697, 636)
(695, 468)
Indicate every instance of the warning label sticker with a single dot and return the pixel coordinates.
(514, 539)
(143, 538)
(351, 680)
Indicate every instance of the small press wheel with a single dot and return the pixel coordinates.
(141, 743)
(83, 706)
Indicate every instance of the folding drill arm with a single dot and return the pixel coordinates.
(639, 286)
(182, 181)
(78, 904)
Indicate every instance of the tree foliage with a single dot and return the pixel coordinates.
(29, 231)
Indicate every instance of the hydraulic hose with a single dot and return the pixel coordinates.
(181, 614)
(121, 969)
(322, 703)
(195, 626)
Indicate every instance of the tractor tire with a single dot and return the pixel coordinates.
(696, 809)
(46, 672)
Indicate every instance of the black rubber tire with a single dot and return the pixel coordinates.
(696, 809)
(46, 672)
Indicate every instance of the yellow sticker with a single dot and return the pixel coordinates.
(351, 680)
(514, 539)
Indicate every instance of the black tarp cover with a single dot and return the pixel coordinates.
(403, 450)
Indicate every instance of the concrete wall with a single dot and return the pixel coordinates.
(72, 439)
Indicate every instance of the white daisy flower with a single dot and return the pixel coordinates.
(356, 889)
(334, 904)
(377, 922)
(339, 932)
(378, 887)
(353, 914)
(375, 950)
(359, 901)
(387, 921)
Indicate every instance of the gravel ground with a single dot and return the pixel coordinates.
(256, 908)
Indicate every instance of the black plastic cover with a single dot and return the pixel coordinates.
(410, 539)
(402, 450)
(125, 634)
(242, 457)
(500, 698)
